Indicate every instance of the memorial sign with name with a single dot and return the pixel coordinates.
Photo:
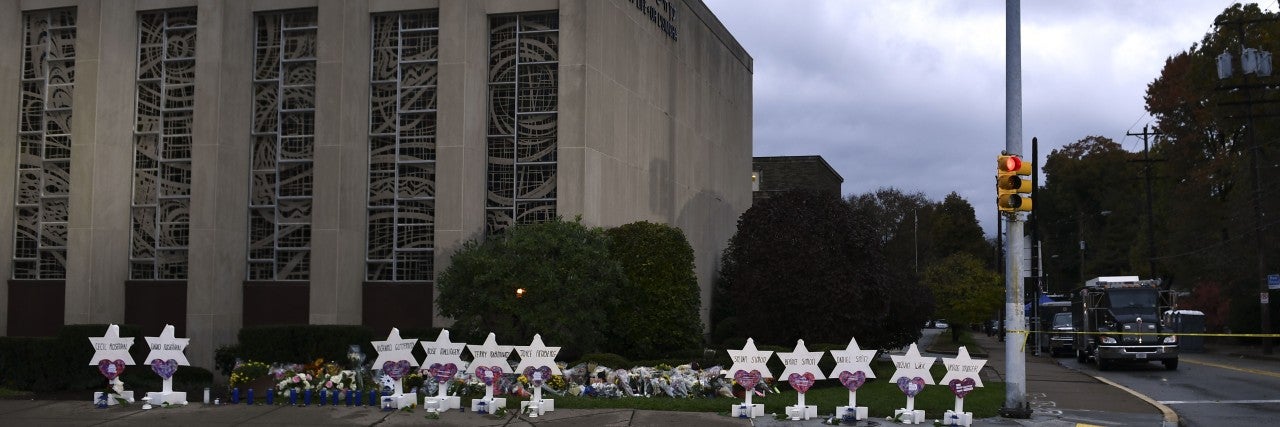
(961, 378)
(801, 371)
(911, 375)
(444, 357)
(395, 359)
(111, 347)
(750, 366)
(488, 363)
(538, 364)
(111, 355)
(166, 355)
(853, 367)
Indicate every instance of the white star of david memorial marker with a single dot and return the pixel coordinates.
(749, 359)
(746, 360)
(849, 363)
(166, 346)
(800, 361)
(962, 367)
(853, 359)
(489, 354)
(111, 346)
(394, 349)
(909, 367)
(443, 351)
(536, 355)
(913, 365)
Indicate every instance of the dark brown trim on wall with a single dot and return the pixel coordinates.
(151, 304)
(276, 303)
(389, 305)
(36, 307)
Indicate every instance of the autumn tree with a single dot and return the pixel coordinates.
(806, 265)
(1206, 189)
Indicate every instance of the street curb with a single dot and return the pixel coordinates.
(1254, 356)
(1170, 417)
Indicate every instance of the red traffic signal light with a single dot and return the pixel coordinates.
(1013, 184)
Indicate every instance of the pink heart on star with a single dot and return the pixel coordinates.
(961, 388)
(853, 380)
(537, 375)
(801, 382)
(488, 374)
(111, 368)
(442, 373)
(748, 380)
(164, 368)
(911, 386)
(396, 370)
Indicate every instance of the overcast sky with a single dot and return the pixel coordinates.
(911, 94)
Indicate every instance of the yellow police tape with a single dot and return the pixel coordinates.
(1184, 334)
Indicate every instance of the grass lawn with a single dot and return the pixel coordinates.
(880, 398)
(7, 393)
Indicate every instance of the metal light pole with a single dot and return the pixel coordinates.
(1015, 398)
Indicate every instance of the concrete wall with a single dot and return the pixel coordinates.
(651, 128)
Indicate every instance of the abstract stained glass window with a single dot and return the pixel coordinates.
(44, 144)
(523, 80)
(165, 100)
(402, 146)
(282, 141)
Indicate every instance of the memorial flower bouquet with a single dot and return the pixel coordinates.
(299, 381)
(342, 380)
(246, 372)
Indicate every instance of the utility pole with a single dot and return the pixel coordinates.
(1258, 230)
(1015, 397)
(1151, 225)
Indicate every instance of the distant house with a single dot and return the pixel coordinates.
(772, 175)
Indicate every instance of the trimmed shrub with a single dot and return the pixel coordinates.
(570, 285)
(661, 293)
(304, 343)
(61, 363)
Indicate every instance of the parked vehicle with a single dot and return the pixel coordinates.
(1062, 341)
(1119, 320)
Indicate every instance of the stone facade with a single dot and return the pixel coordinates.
(239, 195)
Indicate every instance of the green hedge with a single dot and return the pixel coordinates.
(661, 292)
(61, 363)
(306, 343)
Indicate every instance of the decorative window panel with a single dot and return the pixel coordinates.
(165, 100)
(282, 145)
(46, 87)
(402, 147)
(521, 149)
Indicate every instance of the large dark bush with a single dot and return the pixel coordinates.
(805, 265)
(305, 343)
(570, 285)
(61, 363)
(661, 293)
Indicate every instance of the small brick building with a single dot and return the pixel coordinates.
(771, 175)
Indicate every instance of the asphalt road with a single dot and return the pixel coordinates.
(1206, 390)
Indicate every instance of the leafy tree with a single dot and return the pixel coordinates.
(954, 229)
(806, 265)
(569, 279)
(1205, 198)
(661, 294)
(965, 290)
(897, 217)
(1091, 194)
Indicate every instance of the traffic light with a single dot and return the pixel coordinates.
(1013, 184)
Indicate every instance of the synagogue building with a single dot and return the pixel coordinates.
(216, 164)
